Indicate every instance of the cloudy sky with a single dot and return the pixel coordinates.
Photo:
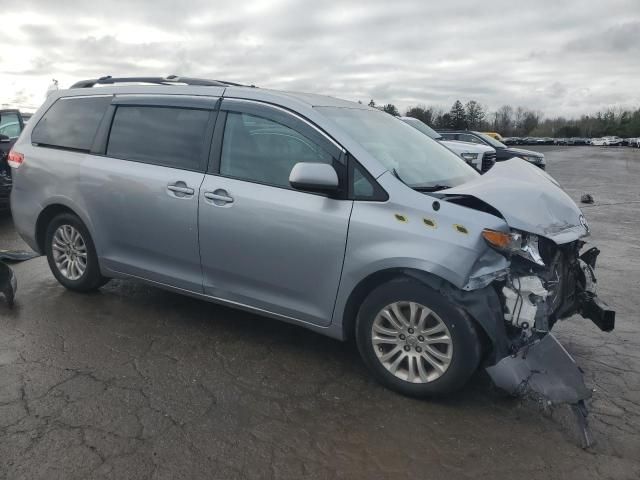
(561, 56)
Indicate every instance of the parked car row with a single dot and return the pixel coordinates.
(503, 152)
(317, 211)
(602, 141)
(572, 141)
(528, 141)
(613, 141)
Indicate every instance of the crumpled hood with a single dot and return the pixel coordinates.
(529, 199)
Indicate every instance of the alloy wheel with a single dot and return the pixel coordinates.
(69, 252)
(412, 342)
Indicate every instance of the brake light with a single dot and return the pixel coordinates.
(15, 159)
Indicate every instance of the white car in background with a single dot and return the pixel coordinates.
(612, 141)
(606, 141)
(481, 157)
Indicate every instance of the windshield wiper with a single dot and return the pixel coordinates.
(418, 188)
(431, 188)
(397, 175)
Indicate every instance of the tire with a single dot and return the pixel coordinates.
(63, 231)
(463, 351)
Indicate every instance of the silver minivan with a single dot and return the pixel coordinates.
(308, 209)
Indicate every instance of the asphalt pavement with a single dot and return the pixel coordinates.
(134, 382)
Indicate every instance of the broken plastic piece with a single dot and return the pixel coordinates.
(587, 198)
(8, 283)
(523, 297)
(545, 371)
(544, 368)
(581, 413)
(16, 255)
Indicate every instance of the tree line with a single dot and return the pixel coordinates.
(512, 121)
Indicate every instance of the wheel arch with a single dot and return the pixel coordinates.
(369, 283)
(49, 213)
(482, 306)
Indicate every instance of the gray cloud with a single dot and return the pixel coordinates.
(566, 58)
(620, 38)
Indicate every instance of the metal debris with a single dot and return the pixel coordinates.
(8, 283)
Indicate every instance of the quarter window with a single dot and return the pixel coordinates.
(171, 137)
(264, 151)
(71, 123)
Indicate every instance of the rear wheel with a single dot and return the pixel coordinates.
(415, 341)
(71, 254)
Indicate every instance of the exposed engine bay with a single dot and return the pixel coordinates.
(557, 283)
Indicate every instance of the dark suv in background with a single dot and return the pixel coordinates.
(503, 152)
(11, 124)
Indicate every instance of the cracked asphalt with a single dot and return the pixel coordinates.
(134, 382)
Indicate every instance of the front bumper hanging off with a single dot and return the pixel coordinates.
(540, 367)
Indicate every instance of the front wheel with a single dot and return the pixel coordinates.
(415, 341)
(71, 254)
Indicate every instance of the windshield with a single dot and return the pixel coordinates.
(412, 156)
(492, 141)
(422, 127)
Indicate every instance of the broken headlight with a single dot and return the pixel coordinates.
(522, 244)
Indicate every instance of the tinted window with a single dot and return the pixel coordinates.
(10, 125)
(71, 123)
(265, 151)
(172, 137)
(363, 189)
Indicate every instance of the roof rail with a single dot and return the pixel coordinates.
(169, 80)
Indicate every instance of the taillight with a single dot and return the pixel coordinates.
(15, 159)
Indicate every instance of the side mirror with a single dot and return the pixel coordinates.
(314, 177)
(4, 138)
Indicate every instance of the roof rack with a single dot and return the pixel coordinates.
(169, 80)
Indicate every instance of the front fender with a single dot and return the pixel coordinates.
(414, 234)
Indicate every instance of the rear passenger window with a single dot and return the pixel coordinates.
(71, 123)
(167, 136)
(261, 150)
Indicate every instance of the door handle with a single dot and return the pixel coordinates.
(218, 197)
(180, 187)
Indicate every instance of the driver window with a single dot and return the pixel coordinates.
(261, 150)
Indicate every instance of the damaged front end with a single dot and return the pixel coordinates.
(548, 278)
(546, 283)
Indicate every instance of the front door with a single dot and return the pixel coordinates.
(262, 243)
